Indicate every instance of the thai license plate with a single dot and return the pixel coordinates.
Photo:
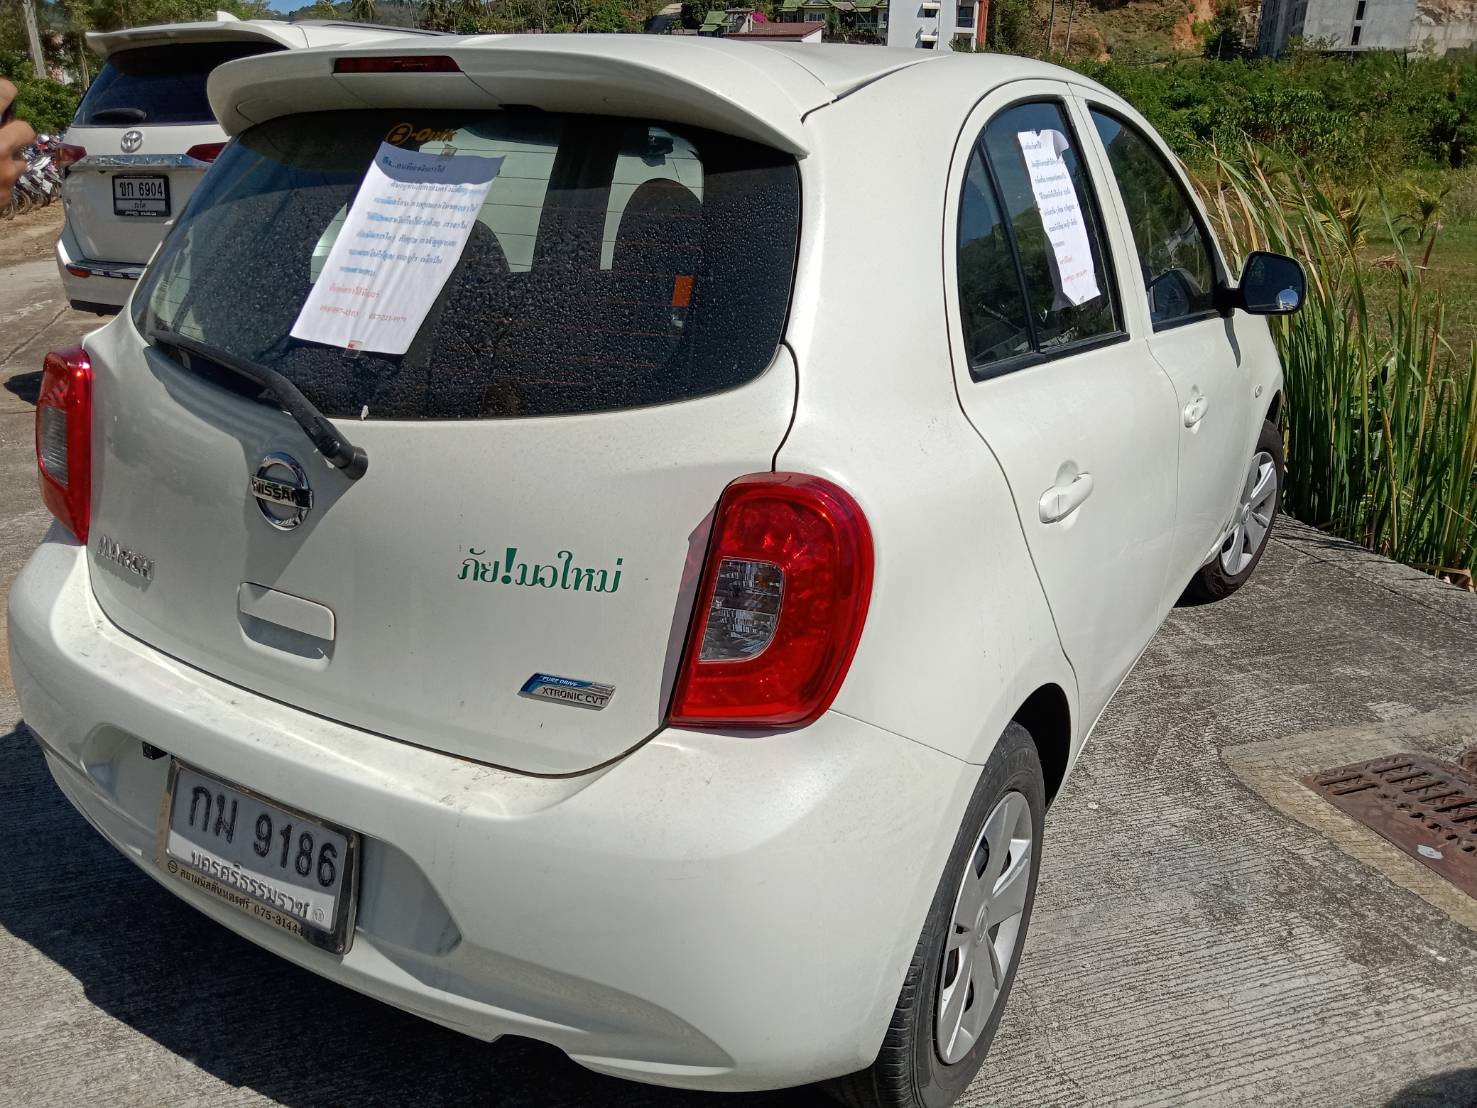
(285, 868)
(140, 196)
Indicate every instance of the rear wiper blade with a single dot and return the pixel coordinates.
(351, 459)
(119, 115)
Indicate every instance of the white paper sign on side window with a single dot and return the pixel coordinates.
(399, 243)
(1061, 215)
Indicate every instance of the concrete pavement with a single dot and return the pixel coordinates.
(1206, 932)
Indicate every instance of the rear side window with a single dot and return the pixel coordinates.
(1033, 274)
(159, 84)
(991, 302)
(1175, 254)
(614, 263)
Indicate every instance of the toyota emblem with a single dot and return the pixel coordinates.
(131, 141)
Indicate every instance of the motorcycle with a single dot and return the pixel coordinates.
(39, 184)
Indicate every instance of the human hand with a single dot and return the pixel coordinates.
(15, 135)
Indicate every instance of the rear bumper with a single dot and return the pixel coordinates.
(94, 286)
(710, 911)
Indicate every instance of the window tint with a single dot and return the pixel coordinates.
(614, 263)
(159, 84)
(1031, 214)
(1174, 255)
(990, 301)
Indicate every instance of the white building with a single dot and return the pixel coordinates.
(1409, 26)
(932, 25)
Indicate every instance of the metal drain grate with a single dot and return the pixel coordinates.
(1425, 807)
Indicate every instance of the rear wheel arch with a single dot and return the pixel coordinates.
(1047, 717)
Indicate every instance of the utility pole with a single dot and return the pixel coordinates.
(28, 15)
(1071, 11)
(1050, 26)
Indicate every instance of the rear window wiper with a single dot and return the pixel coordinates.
(351, 459)
(119, 115)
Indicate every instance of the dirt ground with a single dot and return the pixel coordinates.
(31, 235)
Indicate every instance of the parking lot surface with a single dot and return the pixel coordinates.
(1206, 932)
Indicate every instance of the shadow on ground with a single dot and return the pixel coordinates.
(27, 386)
(237, 1012)
(1452, 1089)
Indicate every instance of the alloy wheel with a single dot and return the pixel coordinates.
(1253, 516)
(984, 928)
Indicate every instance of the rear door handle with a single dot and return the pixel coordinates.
(1195, 410)
(1060, 501)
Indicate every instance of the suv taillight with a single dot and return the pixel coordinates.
(64, 437)
(63, 157)
(780, 607)
(205, 151)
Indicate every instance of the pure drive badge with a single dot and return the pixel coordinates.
(568, 690)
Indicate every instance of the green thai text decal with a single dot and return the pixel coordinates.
(562, 573)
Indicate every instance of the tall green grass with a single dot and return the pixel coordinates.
(1380, 409)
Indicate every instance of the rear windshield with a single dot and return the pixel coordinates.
(159, 84)
(612, 263)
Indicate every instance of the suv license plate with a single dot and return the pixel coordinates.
(140, 196)
(290, 870)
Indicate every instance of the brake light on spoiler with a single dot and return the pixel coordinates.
(398, 63)
(64, 437)
(780, 607)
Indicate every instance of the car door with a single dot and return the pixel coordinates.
(1057, 380)
(1179, 269)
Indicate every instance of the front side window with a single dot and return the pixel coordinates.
(1175, 255)
(1033, 274)
(614, 263)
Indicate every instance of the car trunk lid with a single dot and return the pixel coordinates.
(512, 578)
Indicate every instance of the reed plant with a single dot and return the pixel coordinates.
(1380, 409)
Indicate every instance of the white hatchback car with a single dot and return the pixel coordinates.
(144, 135)
(620, 540)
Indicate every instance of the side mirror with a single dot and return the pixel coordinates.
(1271, 284)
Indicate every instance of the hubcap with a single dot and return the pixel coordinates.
(985, 927)
(1254, 517)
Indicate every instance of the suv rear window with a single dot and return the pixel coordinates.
(159, 84)
(615, 263)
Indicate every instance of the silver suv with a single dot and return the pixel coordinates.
(144, 135)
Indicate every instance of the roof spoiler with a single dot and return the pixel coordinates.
(754, 94)
(227, 28)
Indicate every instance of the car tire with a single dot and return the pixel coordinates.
(910, 1070)
(1238, 557)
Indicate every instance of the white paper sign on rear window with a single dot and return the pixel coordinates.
(1061, 214)
(399, 243)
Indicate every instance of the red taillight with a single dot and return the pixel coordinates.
(63, 156)
(781, 605)
(206, 151)
(398, 63)
(64, 437)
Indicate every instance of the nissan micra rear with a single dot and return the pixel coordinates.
(620, 540)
